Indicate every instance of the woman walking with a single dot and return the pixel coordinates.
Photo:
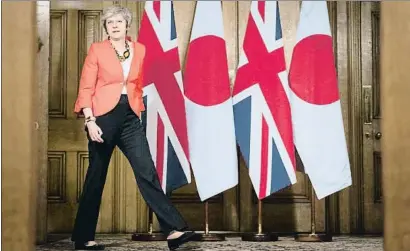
(110, 97)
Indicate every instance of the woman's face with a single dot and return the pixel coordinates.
(116, 26)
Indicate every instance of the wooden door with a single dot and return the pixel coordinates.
(74, 25)
(372, 168)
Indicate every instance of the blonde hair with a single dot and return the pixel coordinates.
(114, 10)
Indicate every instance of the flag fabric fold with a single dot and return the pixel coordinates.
(262, 111)
(316, 109)
(165, 116)
(209, 110)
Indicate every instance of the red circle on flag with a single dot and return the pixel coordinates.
(206, 80)
(312, 75)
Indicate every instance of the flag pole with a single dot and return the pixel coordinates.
(207, 236)
(259, 236)
(313, 236)
(150, 235)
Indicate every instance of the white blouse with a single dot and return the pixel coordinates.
(126, 66)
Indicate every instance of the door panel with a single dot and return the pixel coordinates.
(373, 207)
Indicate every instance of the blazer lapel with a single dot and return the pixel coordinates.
(117, 67)
(135, 63)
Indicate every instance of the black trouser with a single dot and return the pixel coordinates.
(122, 128)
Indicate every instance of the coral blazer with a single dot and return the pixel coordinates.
(102, 80)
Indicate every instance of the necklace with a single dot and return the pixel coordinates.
(126, 53)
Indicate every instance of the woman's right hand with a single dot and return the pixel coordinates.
(94, 131)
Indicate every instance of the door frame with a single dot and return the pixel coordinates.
(43, 24)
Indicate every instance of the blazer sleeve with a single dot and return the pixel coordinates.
(88, 81)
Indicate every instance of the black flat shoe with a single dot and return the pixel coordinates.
(82, 246)
(184, 238)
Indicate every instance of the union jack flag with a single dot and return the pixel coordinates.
(165, 118)
(261, 106)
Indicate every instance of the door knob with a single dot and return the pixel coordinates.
(378, 135)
